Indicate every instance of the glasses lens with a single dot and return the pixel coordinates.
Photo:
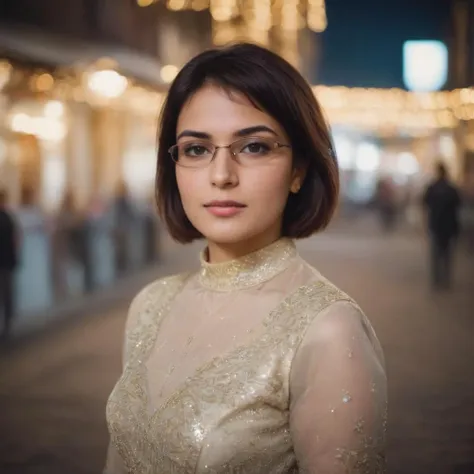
(193, 154)
(253, 150)
(174, 153)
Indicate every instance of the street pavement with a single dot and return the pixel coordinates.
(54, 385)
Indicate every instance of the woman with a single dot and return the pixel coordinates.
(255, 363)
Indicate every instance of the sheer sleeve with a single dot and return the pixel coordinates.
(338, 395)
(114, 464)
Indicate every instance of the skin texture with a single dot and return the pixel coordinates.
(262, 188)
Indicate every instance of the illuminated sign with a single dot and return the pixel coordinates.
(425, 65)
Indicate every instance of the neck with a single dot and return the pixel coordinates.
(219, 253)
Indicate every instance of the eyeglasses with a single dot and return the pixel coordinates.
(249, 151)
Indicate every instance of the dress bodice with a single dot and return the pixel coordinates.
(218, 368)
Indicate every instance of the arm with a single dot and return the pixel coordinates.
(114, 463)
(338, 396)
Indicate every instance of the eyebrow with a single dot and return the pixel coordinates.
(244, 132)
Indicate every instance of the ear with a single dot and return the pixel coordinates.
(297, 179)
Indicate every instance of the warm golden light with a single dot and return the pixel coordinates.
(199, 5)
(54, 109)
(145, 3)
(5, 73)
(43, 82)
(316, 15)
(176, 4)
(46, 128)
(377, 111)
(224, 10)
(107, 83)
(168, 73)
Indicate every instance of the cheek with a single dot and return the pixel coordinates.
(271, 186)
(188, 186)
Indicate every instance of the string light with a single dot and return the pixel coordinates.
(316, 15)
(224, 10)
(42, 82)
(199, 5)
(5, 73)
(252, 20)
(168, 73)
(145, 3)
(377, 110)
(291, 18)
(177, 5)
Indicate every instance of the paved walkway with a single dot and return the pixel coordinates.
(54, 387)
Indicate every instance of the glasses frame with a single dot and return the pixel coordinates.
(276, 146)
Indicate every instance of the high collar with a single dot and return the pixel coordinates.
(249, 270)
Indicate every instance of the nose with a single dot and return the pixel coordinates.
(223, 169)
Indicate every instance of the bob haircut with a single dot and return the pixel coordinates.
(277, 88)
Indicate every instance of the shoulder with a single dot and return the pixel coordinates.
(332, 309)
(340, 320)
(150, 299)
(147, 309)
(318, 292)
(324, 313)
(340, 323)
(308, 301)
(338, 313)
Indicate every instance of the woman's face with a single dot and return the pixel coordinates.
(258, 189)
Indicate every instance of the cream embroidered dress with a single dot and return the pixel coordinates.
(254, 366)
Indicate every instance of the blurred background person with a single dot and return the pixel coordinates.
(123, 214)
(386, 203)
(442, 203)
(69, 244)
(468, 215)
(152, 243)
(9, 240)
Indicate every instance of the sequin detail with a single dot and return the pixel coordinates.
(368, 459)
(250, 270)
(347, 397)
(230, 415)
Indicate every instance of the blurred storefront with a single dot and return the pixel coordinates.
(85, 133)
(82, 133)
(81, 115)
(397, 134)
(91, 131)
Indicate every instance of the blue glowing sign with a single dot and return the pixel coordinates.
(425, 65)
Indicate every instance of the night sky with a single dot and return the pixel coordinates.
(362, 46)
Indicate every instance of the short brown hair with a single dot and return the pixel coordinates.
(276, 87)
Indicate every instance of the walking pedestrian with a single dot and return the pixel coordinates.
(442, 203)
(8, 263)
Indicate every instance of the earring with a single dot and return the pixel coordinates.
(295, 187)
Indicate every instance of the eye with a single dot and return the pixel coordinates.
(256, 147)
(195, 149)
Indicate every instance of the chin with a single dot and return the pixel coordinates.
(233, 234)
(227, 238)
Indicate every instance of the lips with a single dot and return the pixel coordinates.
(224, 204)
(224, 208)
